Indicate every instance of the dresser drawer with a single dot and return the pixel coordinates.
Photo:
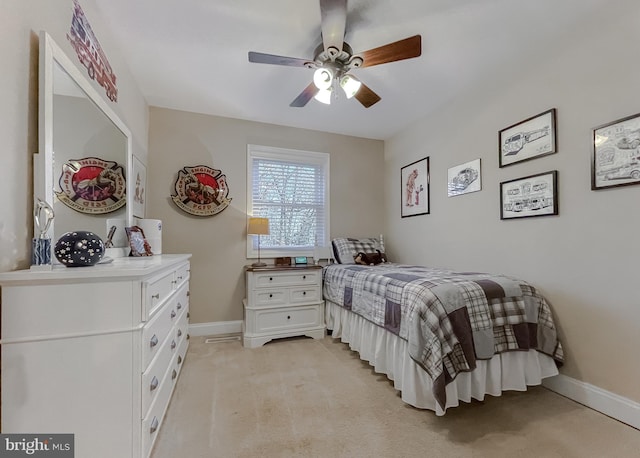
(156, 291)
(156, 331)
(182, 274)
(283, 319)
(152, 422)
(285, 278)
(156, 371)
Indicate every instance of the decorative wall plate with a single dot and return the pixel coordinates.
(92, 185)
(201, 191)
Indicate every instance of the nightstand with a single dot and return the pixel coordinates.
(282, 301)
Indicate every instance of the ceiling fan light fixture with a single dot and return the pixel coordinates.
(350, 85)
(323, 78)
(324, 96)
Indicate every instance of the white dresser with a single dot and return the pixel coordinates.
(283, 301)
(94, 351)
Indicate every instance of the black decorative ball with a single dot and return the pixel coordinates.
(79, 249)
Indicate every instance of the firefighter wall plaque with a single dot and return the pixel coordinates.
(201, 191)
(92, 185)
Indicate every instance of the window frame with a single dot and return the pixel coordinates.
(289, 155)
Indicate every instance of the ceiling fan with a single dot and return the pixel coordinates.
(333, 59)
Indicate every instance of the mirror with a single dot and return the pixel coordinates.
(85, 152)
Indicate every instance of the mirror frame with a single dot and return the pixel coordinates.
(43, 161)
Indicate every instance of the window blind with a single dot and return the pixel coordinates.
(290, 188)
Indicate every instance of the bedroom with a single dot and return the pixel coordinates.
(583, 260)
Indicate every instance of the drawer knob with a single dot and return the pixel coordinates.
(188, 293)
(154, 341)
(304, 293)
(156, 296)
(179, 359)
(288, 317)
(188, 315)
(174, 374)
(154, 425)
(179, 307)
(270, 295)
(270, 278)
(173, 344)
(188, 336)
(154, 383)
(180, 278)
(173, 314)
(304, 277)
(179, 332)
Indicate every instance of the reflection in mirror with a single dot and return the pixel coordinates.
(85, 152)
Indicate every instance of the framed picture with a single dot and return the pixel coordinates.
(414, 184)
(464, 178)
(139, 174)
(528, 139)
(137, 242)
(616, 153)
(535, 195)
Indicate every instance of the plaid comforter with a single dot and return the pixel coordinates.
(449, 319)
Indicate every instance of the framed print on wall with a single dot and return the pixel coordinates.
(535, 195)
(528, 139)
(139, 174)
(615, 158)
(464, 178)
(414, 188)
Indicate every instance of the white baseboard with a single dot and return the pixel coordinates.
(215, 328)
(610, 404)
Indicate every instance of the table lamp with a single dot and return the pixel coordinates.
(258, 226)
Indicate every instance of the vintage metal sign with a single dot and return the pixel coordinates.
(201, 191)
(92, 185)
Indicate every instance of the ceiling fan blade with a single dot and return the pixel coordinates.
(334, 23)
(399, 50)
(307, 94)
(261, 58)
(366, 96)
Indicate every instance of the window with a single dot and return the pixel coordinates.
(291, 189)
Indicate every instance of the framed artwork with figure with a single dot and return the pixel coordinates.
(414, 188)
(139, 185)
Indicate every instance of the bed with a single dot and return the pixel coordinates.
(441, 336)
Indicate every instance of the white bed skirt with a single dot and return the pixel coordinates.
(388, 354)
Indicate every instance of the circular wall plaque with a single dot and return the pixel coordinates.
(201, 191)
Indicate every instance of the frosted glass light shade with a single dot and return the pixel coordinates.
(350, 85)
(323, 78)
(324, 96)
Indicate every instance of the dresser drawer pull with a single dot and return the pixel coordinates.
(156, 296)
(179, 306)
(154, 383)
(188, 293)
(188, 315)
(179, 332)
(288, 317)
(173, 314)
(180, 278)
(154, 425)
(179, 359)
(304, 293)
(174, 374)
(270, 296)
(188, 336)
(173, 344)
(304, 277)
(154, 341)
(173, 282)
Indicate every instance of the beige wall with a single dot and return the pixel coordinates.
(586, 259)
(218, 243)
(20, 24)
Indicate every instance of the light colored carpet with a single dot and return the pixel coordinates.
(315, 398)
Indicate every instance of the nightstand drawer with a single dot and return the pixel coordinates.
(265, 297)
(305, 295)
(284, 278)
(270, 320)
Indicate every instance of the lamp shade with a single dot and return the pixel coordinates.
(258, 226)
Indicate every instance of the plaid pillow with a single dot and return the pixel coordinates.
(344, 249)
